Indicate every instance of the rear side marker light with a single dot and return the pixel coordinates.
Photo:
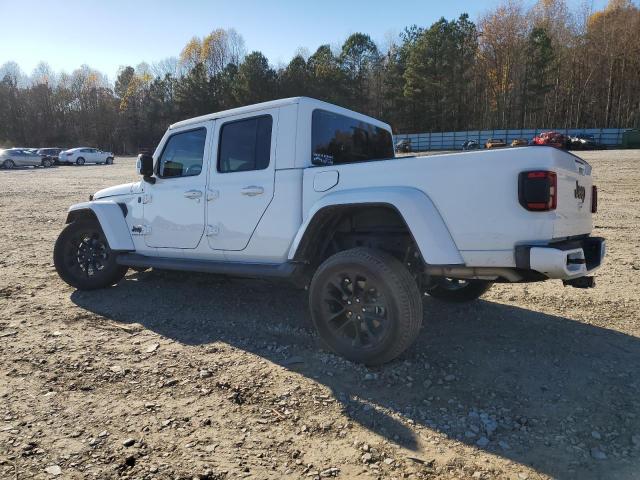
(538, 190)
(594, 199)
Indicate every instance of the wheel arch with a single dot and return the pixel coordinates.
(418, 213)
(111, 217)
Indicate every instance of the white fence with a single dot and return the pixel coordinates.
(454, 140)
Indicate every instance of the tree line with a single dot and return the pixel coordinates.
(546, 66)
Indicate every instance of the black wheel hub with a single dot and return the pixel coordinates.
(355, 310)
(91, 254)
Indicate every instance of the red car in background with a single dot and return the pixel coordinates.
(552, 139)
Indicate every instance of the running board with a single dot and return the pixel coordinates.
(236, 269)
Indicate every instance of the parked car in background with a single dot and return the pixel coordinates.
(495, 143)
(552, 139)
(82, 155)
(520, 142)
(18, 157)
(403, 145)
(470, 145)
(584, 141)
(50, 153)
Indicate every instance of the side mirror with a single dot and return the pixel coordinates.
(145, 167)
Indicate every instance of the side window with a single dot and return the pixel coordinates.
(338, 139)
(183, 154)
(245, 145)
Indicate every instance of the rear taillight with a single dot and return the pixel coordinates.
(594, 199)
(538, 190)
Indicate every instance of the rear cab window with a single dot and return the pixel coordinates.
(245, 144)
(337, 139)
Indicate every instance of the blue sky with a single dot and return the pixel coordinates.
(108, 33)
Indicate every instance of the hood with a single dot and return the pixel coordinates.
(124, 189)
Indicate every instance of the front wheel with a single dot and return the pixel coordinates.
(8, 164)
(109, 161)
(83, 259)
(80, 161)
(46, 162)
(365, 305)
(456, 290)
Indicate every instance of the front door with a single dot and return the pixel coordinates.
(241, 178)
(174, 207)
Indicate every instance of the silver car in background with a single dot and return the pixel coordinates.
(18, 157)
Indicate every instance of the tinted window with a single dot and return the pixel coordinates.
(340, 139)
(183, 154)
(245, 145)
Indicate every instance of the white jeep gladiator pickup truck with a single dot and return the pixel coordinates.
(308, 191)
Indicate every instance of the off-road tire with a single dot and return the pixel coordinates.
(8, 164)
(472, 290)
(79, 161)
(402, 300)
(66, 257)
(109, 161)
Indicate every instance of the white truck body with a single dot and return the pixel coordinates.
(462, 208)
(311, 192)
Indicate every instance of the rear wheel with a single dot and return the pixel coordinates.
(365, 305)
(456, 290)
(80, 161)
(83, 259)
(8, 164)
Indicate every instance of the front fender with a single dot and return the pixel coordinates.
(111, 218)
(418, 211)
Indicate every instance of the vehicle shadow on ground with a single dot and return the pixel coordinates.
(538, 389)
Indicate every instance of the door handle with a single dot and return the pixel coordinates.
(193, 194)
(252, 191)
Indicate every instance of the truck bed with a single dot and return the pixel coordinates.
(476, 193)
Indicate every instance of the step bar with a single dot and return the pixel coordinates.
(251, 270)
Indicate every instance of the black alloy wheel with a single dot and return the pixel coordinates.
(83, 258)
(365, 305)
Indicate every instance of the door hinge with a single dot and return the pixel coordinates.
(212, 195)
(212, 230)
(146, 198)
(140, 230)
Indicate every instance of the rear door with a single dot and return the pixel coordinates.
(34, 159)
(242, 175)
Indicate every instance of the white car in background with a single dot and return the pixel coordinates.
(82, 155)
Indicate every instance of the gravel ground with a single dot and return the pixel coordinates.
(173, 375)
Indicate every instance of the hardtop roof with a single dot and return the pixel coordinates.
(274, 104)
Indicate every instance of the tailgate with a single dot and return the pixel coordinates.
(573, 211)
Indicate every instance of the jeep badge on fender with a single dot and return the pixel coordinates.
(579, 192)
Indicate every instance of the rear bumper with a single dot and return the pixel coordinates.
(563, 260)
